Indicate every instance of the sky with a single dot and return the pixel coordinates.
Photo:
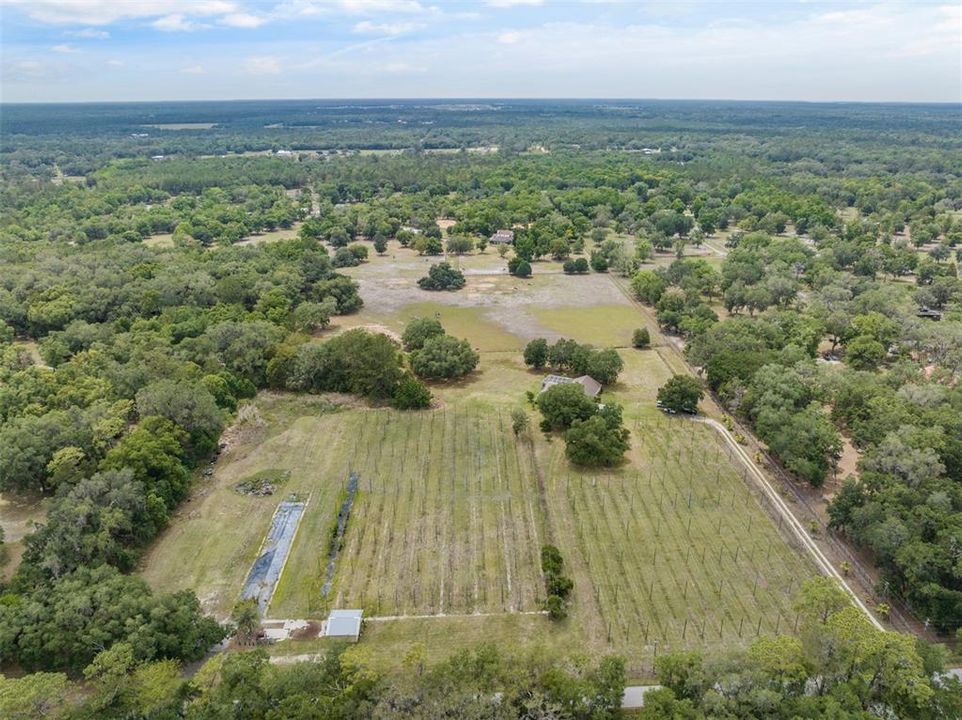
(134, 50)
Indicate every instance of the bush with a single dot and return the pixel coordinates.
(411, 394)
(344, 258)
(605, 365)
(356, 362)
(595, 442)
(519, 421)
(519, 267)
(599, 263)
(562, 405)
(442, 277)
(428, 245)
(536, 353)
(380, 244)
(443, 356)
(681, 394)
(418, 331)
(359, 251)
(557, 608)
(551, 560)
(641, 339)
(459, 245)
(557, 586)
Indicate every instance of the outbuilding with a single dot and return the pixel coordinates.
(591, 386)
(502, 237)
(344, 625)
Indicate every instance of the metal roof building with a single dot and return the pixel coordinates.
(591, 386)
(344, 624)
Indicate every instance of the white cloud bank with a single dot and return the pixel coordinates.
(890, 51)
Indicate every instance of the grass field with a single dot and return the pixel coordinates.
(669, 550)
(675, 549)
(446, 520)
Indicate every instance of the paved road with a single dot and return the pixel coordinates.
(793, 523)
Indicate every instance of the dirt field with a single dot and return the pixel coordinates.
(17, 516)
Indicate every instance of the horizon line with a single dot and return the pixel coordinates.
(484, 98)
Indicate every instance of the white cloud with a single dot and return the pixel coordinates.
(403, 67)
(65, 49)
(310, 8)
(89, 33)
(104, 12)
(890, 51)
(373, 7)
(242, 20)
(262, 65)
(175, 22)
(193, 70)
(24, 71)
(114, 62)
(367, 26)
(512, 3)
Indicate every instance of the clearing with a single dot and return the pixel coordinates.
(670, 550)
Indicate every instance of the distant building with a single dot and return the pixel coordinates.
(502, 237)
(591, 386)
(344, 625)
(926, 312)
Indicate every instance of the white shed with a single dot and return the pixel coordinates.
(344, 624)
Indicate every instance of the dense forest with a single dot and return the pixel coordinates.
(834, 316)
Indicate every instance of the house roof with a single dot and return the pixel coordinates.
(503, 236)
(591, 386)
(344, 623)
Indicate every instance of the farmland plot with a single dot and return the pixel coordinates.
(674, 550)
(446, 521)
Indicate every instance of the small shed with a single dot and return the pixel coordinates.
(502, 237)
(591, 386)
(344, 624)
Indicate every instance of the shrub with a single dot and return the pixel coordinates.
(519, 421)
(411, 394)
(344, 258)
(551, 560)
(576, 266)
(594, 442)
(443, 356)
(562, 405)
(641, 338)
(418, 331)
(519, 267)
(681, 393)
(605, 365)
(557, 608)
(536, 353)
(599, 263)
(459, 245)
(557, 586)
(442, 277)
(359, 251)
